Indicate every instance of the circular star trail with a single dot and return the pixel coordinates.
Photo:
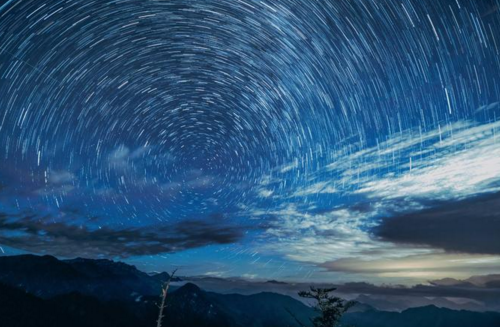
(133, 112)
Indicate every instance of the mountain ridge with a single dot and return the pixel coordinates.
(107, 293)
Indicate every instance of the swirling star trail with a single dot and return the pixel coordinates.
(280, 138)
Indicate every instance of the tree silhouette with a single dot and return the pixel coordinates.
(164, 291)
(330, 308)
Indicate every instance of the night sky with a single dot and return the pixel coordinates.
(286, 139)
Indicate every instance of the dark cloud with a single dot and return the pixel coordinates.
(485, 281)
(468, 226)
(33, 234)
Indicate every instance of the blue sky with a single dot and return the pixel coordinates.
(291, 140)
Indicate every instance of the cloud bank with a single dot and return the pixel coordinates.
(419, 195)
(35, 234)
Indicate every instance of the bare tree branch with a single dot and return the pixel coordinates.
(164, 292)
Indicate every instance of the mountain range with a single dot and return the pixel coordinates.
(38, 291)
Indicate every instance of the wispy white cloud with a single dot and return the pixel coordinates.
(289, 167)
(319, 238)
(264, 193)
(122, 157)
(317, 188)
(455, 159)
(402, 174)
(464, 164)
(57, 182)
(61, 177)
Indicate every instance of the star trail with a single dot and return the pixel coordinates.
(288, 138)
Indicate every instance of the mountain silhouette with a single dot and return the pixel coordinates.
(40, 291)
(46, 276)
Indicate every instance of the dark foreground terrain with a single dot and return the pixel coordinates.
(45, 291)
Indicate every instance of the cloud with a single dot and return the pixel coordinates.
(409, 246)
(61, 177)
(119, 156)
(468, 226)
(289, 167)
(415, 185)
(450, 175)
(321, 237)
(423, 266)
(486, 281)
(449, 162)
(33, 234)
(57, 182)
(463, 291)
(340, 240)
(122, 157)
(456, 291)
(263, 193)
(317, 188)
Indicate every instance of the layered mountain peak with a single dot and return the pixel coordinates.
(46, 276)
(189, 288)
